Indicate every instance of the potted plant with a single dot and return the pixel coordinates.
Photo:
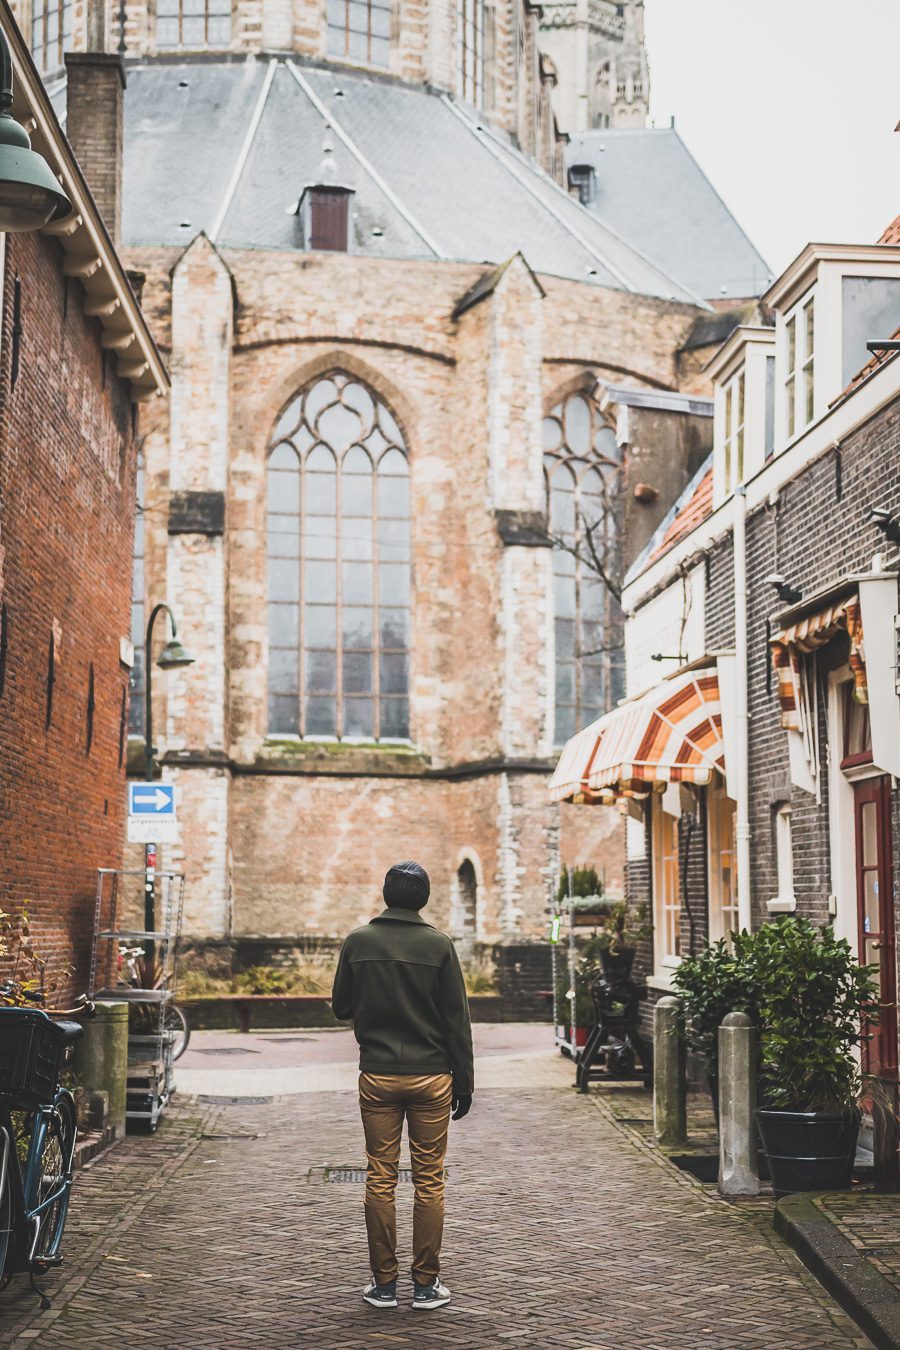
(710, 985)
(811, 996)
(617, 938)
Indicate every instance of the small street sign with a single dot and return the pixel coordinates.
(151, 813)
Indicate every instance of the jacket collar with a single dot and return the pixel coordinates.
(402, 915)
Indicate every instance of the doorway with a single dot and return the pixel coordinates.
(875, 912)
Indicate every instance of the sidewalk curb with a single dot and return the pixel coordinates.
(855, 1285)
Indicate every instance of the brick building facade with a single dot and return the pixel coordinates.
(781, 558)
(75, 360)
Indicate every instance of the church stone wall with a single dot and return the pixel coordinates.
(283, 837)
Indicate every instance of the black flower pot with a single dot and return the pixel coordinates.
(617, 965)
(809, 1150)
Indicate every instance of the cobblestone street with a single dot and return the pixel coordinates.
(564, 1232)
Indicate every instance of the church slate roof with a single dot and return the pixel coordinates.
(650, 189)
(226, 146)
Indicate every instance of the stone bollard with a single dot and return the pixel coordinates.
(669, 1077)
(738, 1174)
(101, 1059)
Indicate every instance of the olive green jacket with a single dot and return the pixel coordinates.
(400, 982)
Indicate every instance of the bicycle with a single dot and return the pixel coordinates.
(37, 1138)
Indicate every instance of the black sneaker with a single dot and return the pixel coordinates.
(381, 1295)
(430, 1295)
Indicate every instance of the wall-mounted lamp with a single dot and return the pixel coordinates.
(888, 524)
(787, 594)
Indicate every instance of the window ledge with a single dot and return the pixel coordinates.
(782, 904)
(663, 982)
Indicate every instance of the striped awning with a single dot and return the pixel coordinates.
(672, 734)
(806, 635)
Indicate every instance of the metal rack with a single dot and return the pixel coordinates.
(570, 922)
(118, 908)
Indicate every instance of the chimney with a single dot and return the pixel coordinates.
(95, 125)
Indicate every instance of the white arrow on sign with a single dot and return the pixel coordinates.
(157, 797)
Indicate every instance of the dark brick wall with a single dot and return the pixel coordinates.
(524, 976)
(67, 464)
(815, 534)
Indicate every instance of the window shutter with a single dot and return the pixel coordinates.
(328, 221)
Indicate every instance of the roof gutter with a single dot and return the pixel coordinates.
(91, 256)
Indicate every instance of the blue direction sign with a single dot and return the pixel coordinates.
(156, 800)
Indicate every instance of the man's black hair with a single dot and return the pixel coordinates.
(406, 886)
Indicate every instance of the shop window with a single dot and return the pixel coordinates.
(360, 30)
(723, 905)
(338, 567)
(583, 467)
(666, 889)
(857, 748)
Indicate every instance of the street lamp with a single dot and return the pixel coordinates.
(30, 194)
(172, 657)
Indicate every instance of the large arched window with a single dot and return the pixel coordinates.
(583, 467)
(339, 570)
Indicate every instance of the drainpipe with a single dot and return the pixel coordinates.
(742, 714)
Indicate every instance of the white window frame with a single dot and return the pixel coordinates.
(785, 901)
(664, 959)
(723, 904)
(798, 357)
(734, 430)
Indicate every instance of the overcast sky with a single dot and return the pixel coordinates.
(790, 108)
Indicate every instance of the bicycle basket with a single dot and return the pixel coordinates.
(31, 1053)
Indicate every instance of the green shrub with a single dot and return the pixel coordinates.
(807, 995)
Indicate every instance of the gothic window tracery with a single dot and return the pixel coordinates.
(338, 566)
(582, 463)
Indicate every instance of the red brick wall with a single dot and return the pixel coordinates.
(67, 463)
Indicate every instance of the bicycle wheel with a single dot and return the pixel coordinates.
(54, 1165)
(175, 1019)
(7, 1150)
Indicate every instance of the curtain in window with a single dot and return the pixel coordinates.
(338, 567)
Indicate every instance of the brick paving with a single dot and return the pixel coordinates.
(871, 1223)
(565, 1231)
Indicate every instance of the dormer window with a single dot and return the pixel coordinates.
(799, 366)
(324, 214)
(582, 182)
(734, 432)
(743, 372)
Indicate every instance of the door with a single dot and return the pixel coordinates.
(875, 908)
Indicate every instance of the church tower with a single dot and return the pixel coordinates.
(598, 55)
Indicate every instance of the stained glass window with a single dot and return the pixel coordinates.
(339, 567)
(583, 466)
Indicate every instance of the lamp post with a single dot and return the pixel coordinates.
(30, 194)
(172, 657)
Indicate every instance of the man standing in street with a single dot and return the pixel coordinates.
(400, 981)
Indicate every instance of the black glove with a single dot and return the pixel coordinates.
(462, 1102)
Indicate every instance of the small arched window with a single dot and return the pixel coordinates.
(582, 463)
(339, 567)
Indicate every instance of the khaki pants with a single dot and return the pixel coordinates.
(384, 1100)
